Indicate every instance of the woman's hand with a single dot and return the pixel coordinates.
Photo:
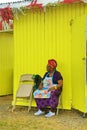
(40, 87)
(50, 89)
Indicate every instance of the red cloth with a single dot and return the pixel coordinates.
(35, 4)
(52, 63)
(0, 25)
(6, 13)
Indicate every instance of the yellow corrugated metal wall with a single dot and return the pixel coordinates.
(6, 63)
(39, 36)
(78, 65)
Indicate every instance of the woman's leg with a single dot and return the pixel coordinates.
(54, 98)
(52, 101)
(42, 103)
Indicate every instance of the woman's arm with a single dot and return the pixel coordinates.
(57, 79)
(40, 86)
(60, 83)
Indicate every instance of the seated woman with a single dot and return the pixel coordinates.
(49, 90)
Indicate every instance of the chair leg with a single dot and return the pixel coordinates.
(57, 111)
(14, 105)
(58, 105)
(30, 102)
(84, 114)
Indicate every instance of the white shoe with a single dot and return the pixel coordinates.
(50, 114)
(39, 112)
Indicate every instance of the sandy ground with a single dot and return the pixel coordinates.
(20, 119)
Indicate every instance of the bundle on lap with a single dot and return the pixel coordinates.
(37, 80)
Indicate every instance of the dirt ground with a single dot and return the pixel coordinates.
(20, 119)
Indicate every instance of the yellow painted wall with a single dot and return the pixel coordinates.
(6, 63)
(39, 36)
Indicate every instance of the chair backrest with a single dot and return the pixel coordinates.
(26, 78)
(24, 90)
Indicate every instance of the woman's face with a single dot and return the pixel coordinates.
(49, 68)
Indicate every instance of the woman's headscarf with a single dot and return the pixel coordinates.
(52, 63)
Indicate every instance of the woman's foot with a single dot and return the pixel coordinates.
(39, 112)
(50, 114)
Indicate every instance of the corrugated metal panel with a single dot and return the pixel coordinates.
(40, 36)
(78, 64)
(6, 63)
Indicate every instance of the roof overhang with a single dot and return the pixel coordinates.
(24, 3)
